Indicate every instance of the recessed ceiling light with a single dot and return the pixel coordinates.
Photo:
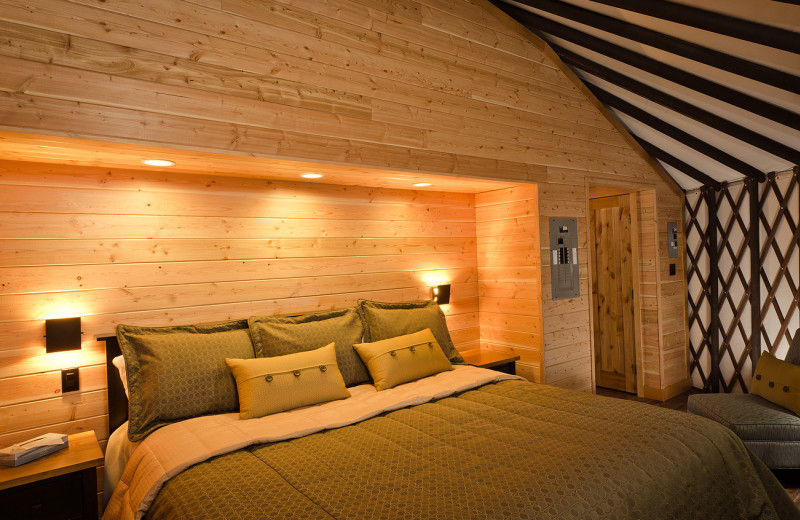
(421, 184)
(158, 162)
(311, 176)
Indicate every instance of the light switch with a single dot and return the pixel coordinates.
(70, 380)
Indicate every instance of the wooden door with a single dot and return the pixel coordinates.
(612, 293)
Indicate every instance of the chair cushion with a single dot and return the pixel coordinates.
(751, 417)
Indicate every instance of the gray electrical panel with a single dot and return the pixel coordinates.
(672, 238)
(564, 275)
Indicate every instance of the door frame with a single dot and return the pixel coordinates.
(595, 192)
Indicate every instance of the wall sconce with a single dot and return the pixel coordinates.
(62, 334)
(441, 294)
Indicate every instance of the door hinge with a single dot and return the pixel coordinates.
(629, 218)
(634, 368)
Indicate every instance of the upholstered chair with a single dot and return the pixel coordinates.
(771, 432)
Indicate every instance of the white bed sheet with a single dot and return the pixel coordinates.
(118, 451)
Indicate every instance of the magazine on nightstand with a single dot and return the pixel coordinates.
(32, 449)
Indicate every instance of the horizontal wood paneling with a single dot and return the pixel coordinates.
(509, 288)
(388, 245)
(372, 91)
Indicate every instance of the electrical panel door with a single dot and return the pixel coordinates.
(564, 275)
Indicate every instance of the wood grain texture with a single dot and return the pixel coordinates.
(374, 94)
(510, 291)
(388, 245)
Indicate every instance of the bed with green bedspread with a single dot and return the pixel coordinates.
(511, 449)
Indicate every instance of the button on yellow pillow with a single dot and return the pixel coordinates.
(777, 381)
(402, 359)
(280, 383)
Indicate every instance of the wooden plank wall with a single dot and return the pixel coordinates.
(648, 288)
(509, 276)
(672, 306)
(116, 246)
(568, 358)
(451, 87)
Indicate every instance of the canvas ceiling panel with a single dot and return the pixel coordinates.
(772, 13)
(687, 154)
(775, 58)
(752, 155)
(766, 127)
(775, 95)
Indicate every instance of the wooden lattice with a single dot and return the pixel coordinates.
(742, 267)
(697, 264)
(779, 260)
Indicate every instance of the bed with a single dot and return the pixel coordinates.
(462, 443)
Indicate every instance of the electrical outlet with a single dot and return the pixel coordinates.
(70, 380)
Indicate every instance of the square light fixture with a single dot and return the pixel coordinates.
(62, 334)
(441, 294)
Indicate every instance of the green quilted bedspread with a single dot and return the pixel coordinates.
(510, 450)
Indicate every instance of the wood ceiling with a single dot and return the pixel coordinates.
(106, 154)
(710, 89)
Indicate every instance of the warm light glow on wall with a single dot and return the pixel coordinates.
(421, 184)
(56, 311)
(311, 176)
(67, 359)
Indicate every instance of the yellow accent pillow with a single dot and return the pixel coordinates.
(402, 359)
(777, 381)
(280, 383)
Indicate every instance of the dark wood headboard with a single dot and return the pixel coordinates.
(117, 400)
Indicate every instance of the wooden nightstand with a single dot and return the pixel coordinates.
(491, 359)
(62, 485)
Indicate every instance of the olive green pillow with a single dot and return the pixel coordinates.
(402, 359)
(281, 335)
(276, 384)
(777, 381)
(179, 372)
(388, 320)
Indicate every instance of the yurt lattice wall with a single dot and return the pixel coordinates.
(742, 278)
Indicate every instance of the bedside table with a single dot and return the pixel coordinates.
(62, 485)
(491, 359)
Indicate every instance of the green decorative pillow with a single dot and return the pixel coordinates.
(777, 381)
(281, 335)
(276, 384)
(389, 320)
(179, 372)
(395, 361)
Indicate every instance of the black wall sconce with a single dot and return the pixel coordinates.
(62, 334)
(441, 294)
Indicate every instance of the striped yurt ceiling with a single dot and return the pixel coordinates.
(709, 88)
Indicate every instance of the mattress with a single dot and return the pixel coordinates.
(501, 449)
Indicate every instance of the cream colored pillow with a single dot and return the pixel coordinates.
(280, 383)
(402, 359)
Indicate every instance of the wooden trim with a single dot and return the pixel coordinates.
(658, 68)
(667, 393)
(683, 258)
(713, 288)
(637, 301)
(713, 21)
(753, 240)
(678, 134)
(678, 105)
(692, 51)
